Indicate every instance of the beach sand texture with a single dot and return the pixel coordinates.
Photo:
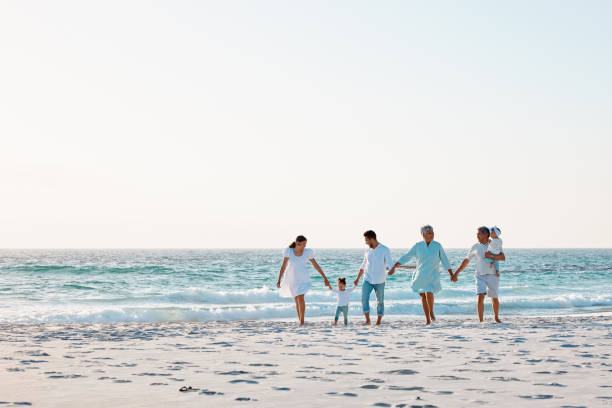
(524, 362)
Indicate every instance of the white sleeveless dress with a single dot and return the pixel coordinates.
(296, 280)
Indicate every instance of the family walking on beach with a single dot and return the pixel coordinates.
(377, 265)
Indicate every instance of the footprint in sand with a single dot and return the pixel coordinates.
(244, 381)
(234, 372)
(57, 376)
(399, 388)
(210, 392)
(281, 388)
(538, 396)
(449, 377)
(552, 384)
(37, 353)
(28, 362)
(370, 387)
(400, 372)
(506, 379)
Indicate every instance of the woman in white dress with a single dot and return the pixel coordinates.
(297, 279)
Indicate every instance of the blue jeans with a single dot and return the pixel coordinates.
(366, 290)
(344, 310)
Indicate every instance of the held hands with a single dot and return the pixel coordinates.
(488, 255)
(356, 282)
(391, 271)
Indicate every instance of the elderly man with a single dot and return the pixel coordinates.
(487, 282)
(426, 278)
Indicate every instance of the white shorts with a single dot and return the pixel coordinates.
(488, 284)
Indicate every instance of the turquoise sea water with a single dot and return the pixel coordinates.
(166, 285)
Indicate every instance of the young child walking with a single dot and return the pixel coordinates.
(344, 296)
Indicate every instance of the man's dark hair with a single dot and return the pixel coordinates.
(485, 230)
(369, 234)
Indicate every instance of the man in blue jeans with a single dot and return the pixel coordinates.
(375, 263)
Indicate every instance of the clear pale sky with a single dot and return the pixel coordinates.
(245, 123)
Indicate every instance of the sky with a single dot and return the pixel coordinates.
(241, 124)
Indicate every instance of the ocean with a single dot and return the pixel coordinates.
(204, 285)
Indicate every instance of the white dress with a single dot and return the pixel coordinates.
(296, 280)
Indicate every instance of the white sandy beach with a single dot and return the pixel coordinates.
(546, 361)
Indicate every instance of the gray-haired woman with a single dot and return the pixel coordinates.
(426, 277)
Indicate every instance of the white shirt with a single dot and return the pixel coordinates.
(482, 266)
(374, 263)
(495, 246)
(343, 295)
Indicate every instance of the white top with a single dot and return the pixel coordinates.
(296, 280)
(482, 266)
(344, 295)
(374, 263)
(495, 246)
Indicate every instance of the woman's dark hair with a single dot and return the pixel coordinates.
(342, 280)
(369, 234)
(299, 238)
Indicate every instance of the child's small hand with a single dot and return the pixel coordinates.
(497, 273)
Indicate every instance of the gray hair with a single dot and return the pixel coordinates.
(426, 228)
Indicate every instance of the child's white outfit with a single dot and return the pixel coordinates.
(344, 297)
(495, 247)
